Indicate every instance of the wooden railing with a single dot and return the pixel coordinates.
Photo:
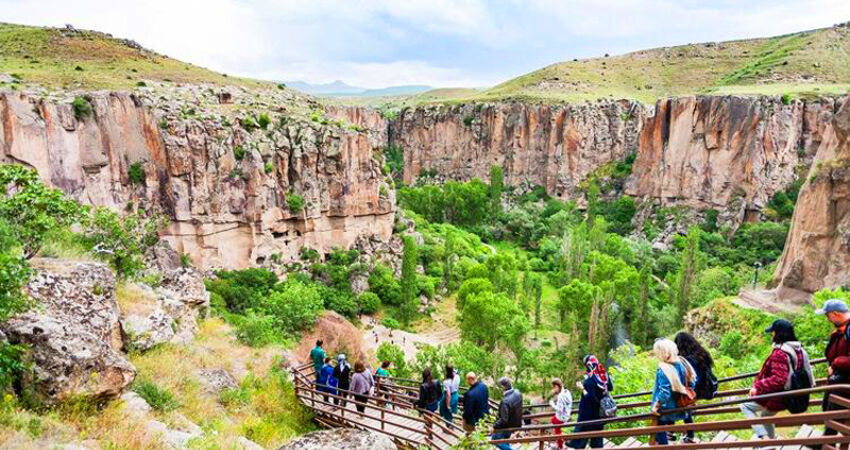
(392, 412)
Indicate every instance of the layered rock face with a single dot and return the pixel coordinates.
(817, 251)
(719, 152)
(552, 146)
(224, 186)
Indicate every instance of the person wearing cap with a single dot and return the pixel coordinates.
(510, 413)
(837, 351)
(775, 375)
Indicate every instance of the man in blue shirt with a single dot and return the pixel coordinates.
(475, 402)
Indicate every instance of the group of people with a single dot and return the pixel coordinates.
(683, 376)
(339, 381)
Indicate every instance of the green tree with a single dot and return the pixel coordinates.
(294, 306)
(691, 260)
(14, 274)
(489, 319)
(592, 202)
(497, 186)
(123, 241)
(409, 287)
(395, 355)
(577, 297)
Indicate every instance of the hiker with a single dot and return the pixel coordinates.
(360, 386)
(380, 379)
(675, 381)
(429, 392)
(562, 404)
(476, 402)
(326, 380)
(595, 386)
(510, 413)
(384, 370)
(342, 372)
(702, 363)
(317, 355)
(775, 376)
(837, 351)
(451, 385)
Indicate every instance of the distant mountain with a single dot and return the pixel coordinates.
(341, 89)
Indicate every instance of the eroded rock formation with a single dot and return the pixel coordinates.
(340, 439)
(223, 184)
(817, 251)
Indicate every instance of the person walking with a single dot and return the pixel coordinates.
(675, 381)
(317, 356)
(342, 372)
(380, 379)
(594, 387)
(562, 404)
(384, 370)
(451, 386)
(837, 350)
(510, 413)
(360, 386)
(429, 392)
(326, 382)
(775, 376)
(700, 359)
(476, 402)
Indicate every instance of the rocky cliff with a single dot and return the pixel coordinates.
(817, 251)
(222, 175)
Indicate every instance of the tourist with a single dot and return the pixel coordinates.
(775, 376)
(317, 355)
(476, 402)
(342, 372)
(562, 404)
(837, 351)
(675, 381)
(429, 392)
(384, 370)
(360, 386)
(327, 383)
(380, 378)
(510, 413)
(451, 385)
(595, 386)
(701, 361)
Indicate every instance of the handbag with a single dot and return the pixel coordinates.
(685, 400)
(607, 406)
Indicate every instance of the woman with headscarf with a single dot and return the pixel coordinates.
(675, 381)
(594, 387)
(342, 372)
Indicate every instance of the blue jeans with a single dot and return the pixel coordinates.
(661, 437)
(690, 419)
(582, 443)
(502, 435)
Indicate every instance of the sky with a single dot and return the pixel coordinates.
(443, 43)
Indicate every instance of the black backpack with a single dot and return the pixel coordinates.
(707, 386)
(799, 379)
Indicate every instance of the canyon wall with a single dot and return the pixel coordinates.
(817, 250)
(223, 186)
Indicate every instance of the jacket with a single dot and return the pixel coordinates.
(344, 376)
(476, 403)
(662, 393)
(317, 355)
(838, 354)
(588, 406)
(773, 377)
(510, 411)
(360, 383)
(429, 393)
(563, 405)
(324, 380)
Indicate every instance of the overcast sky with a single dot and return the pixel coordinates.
(377, 43)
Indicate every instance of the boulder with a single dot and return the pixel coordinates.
(339, 335)
(73, 332)
(216, 380)
(340, 439)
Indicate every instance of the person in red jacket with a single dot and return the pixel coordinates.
(838, 350)
(773, 377)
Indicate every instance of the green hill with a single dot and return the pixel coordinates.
(76, 59)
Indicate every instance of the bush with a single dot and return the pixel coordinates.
(136, 173)
(395, 355)
(268, 168)
(339, 300)
(248, 124)
(241, 290)
(390, 323)
(382, 282)
(238, 153)
(264, 120)
(369, 302)
(294, 202)
(122, 241)
(12, 364)
(158, 398)
(293, 305)
(82, 108)
(255, 330)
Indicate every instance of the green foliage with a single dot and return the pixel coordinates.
(465, 204)
(390, 323)
(248, 123)
(263, 120)
(488, 319)
(122, 241)
(786, 99)
(295, 202)
(495, 189)
(368, 302)
(395, 355)
(254, 329)
(241, 290)
(268, 167)
(185, 260)
(238, 153)
(293, 306)
(619, 214)
(12, 364)
(136, 173)
(472, 287)
(781, 205)
(158, 398)
(382, 282)
(394, 158)
(409, 287)
(82, 108)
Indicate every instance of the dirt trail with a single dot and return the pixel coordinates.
(441, 331)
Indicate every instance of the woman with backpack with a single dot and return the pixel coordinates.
(700, 360)
(430, 392)
(776, 376)
(675, 380)
(596, 386)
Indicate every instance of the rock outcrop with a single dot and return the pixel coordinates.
(340, 439)
(73, 332)
(339, 335)
(223, 179)
(817, 250)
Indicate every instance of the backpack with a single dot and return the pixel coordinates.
(607, 406)
(798, 379)
(707, 386)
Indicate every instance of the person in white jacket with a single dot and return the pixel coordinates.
(562, 403)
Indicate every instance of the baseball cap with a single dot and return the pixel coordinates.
(779, 325)
(833, 305)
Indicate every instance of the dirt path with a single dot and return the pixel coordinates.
(441, 331)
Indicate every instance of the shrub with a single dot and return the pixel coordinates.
(390, 323)
(281, 86)
(339, 300)
(264, 120)
(242, 290)
(122, 241)
(158, 398)
(248, 123)
(136, 173)
(369, 302)
(255, 330)
(82, 108)
(293, 305)
(383, 283)
(786, 99)
(141, 84)
(12, 364)
(395, 355)
(268, 167)
(238, 153)
(294, 202)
